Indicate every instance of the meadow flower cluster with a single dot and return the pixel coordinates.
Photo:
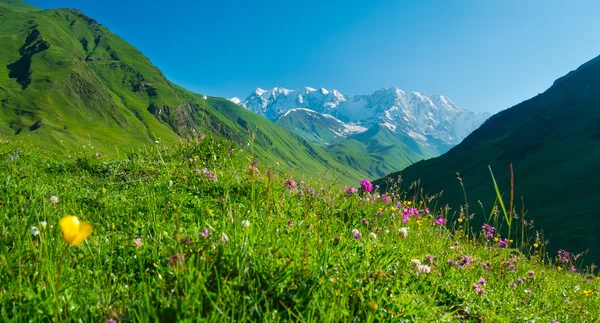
(170, 242)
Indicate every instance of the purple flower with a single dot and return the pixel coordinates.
(503, 243)
(365, 222)
(337, 239)
(350, 191)
(255, 162)
(481, 281)
(366, 185)
(98, 155)
(356, 234)
(197, 171)
(488, 230)
(486, 265)
(11, 158)
(573, 269)
(531, 273)
(230, 149)
(440, 221)
(111, 320)
(291, 223)
(202, 136)
(466, 260)
(426, 210)
(563, 255)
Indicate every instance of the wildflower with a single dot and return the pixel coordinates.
(486, 265)
(365, 222)
(496, 239)
(563, 255)
(404, 232)
(385, 198)
(587, 292)
(230, 149)
(372, 306)
(74, 231)
(202, 136)
(535, 245)
(337, 239)
(528, 291)
(373, 236)
(503, 243)
(43, 224)
(155, 141)
(54, 200)
(481, 281)
(415, 262)
(210, 212)
(440, 221)
(245, 224)
(111, 320)
(98, 155)
(290, 223)
(34, 231)
(224, 238)
(531, 273)
(366, 185)
(460, 220)
(205, 233)
(479, 290)
(427, 210)
(423, 269)
(488, 230)
(356, 234)
(573, 269)
(350, 191)
(290, 184)
(466, 260)
(138, 243)
(559, 268)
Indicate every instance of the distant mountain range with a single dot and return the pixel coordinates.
(377, 133)
(433, 121)
(553, 142)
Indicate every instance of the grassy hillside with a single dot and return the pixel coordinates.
(553, 142)
(377, 151)
(314, 127)
(17, 5)
(188, 233)
(69, 83)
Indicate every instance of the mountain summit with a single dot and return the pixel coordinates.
(432, 120)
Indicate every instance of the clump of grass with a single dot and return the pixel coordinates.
(201, 230)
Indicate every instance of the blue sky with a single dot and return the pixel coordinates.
(484, 55)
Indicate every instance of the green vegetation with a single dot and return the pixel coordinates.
(553, 142)
(195, 231)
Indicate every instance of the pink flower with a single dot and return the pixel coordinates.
(350, 191)
(366, 185)
(385, 198)
(205, 233)
(440, 221)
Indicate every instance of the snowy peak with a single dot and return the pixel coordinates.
(414, 113)
(235, 100)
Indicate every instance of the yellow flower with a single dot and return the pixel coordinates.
(419, 222)
(559, 267)
(588, 292)
(460, 220)
(510, 241)
(409, 203)
(535, 245)
(496, 239)
(195, 157)
(74, 231)
(103, 190)
(210, 212)
(380, 209)
(393, 208)
(372, 306)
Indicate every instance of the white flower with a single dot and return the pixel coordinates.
(204, 97)
(355, 231)
(43, 224)
(34, 231)
(423, 269)
(403, 232)
(224, 238)
(54, 200)
(170, 183)
(373, 235)
(245, 224)
(156, 142)
(415, 262)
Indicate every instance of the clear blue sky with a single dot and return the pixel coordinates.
(484, 55)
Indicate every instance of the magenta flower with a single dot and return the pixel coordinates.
(366, 185)
(503, 243)
(202, 136)
(563, 255)
(98, 155)
(488, 230)
(440, 221)
(481, 281)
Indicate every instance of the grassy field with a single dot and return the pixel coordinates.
(200, 232)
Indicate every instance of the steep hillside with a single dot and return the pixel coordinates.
(68, 82)
(553, 142)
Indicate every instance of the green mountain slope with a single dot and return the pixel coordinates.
(377, 151)
(17, 5)
(553, 141)
(315, 127)
(66, 81)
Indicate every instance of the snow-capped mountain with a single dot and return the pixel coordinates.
(429, 119)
